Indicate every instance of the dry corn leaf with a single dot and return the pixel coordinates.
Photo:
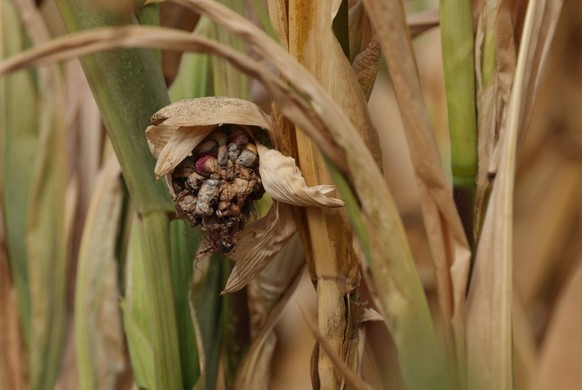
(98, 335)
(489, 331)
(447, 240)
(561, 355)
(364, 50)
(495, 56)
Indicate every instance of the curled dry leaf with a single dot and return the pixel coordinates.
(285, 183)
(216, 168)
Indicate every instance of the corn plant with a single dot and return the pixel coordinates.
(170, 169)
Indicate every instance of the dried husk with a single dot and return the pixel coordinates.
(285, 183)
(178, 128)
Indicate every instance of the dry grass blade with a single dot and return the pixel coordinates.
(489, 301)
(80, 44)
(447, 240)
(98, 335)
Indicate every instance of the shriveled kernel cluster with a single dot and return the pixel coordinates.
(215, 187)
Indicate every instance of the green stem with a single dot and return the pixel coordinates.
(129, 87)
(459, 68)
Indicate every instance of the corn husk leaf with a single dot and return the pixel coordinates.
(178, 128)
(179, 146)
(284, 182)
(489, 298)
(98, 336)
(559, 366)
(211, 111)
(259, 243)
